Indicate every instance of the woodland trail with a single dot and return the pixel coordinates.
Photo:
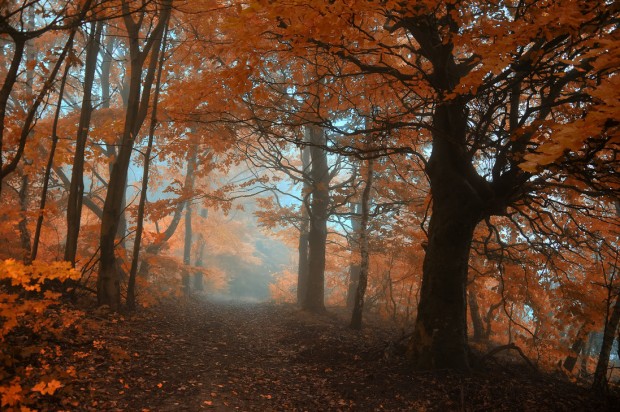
(260, 357)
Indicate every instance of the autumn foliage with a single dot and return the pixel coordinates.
(450, 166)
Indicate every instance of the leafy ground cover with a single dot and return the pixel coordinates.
(263, 357)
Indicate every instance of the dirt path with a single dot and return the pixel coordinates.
(231, 356)
(226, 357)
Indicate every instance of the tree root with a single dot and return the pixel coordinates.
(510, 346)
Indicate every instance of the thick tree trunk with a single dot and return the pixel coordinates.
(354, 280)
(303, 266)
(358, 307)
(439, 339)
(76, 189)
(317, 237)
(304, 227)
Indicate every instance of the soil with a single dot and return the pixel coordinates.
(202, 355)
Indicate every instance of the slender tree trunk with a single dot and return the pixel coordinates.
(24, 233)
(358, 307)
(155, 248)
(49, 166)
(106, 66)
(576, 348)
(474, 311)
(187, 249)
(108, 280)
(198, 283)
(599, 383)
(439, 339)
(303, 266)
(187, 246)
(131, 282)
(76, 189)
(612, 320)
(317, 236)
(354, 267)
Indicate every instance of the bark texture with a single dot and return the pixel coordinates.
(599, 383)
(440, 334)
(354, 268)
(131, 282)
(304, 227)
(76, 188)
(474, 311)
(317, 236)
(358, 307)
(108, 280)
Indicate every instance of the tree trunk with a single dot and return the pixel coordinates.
(599, 383)
(198, 283)
(303, 265)
(354, 268)
(439, 339)
(24, 233)
(76, 189)
(49, 166)
(187, 247)
(474, 311)
(106, 66)
(108, 280)
(358, 307)
(576, 348)
(317, 236)
(155, 248)
(131, 282)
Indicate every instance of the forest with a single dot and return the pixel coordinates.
(309, 205)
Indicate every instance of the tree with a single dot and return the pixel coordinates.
(76, 190)
(12, 24)
(303, 265)
(358, 306)
(108, 280)
(318, 213)
(477, 86)
(131, 283)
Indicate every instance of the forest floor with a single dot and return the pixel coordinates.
(201, 355)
